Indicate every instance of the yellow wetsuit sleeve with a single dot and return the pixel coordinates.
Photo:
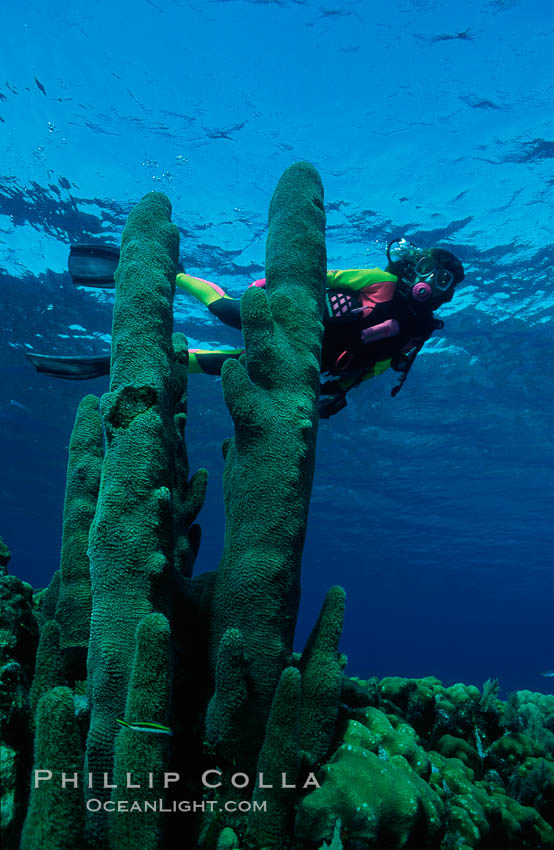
(356, 279)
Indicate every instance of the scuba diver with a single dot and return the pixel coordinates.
(374, 320)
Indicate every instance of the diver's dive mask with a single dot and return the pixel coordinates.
(426, 268)
(425, 279)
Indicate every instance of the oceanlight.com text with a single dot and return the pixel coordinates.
(135, 806)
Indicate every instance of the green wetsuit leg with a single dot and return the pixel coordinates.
(215, 299)
(228, 311)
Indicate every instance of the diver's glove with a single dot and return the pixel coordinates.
(331, 404)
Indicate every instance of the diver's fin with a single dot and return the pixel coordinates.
(73, 368)
(93, 264)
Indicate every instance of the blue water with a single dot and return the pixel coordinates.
(425, 118)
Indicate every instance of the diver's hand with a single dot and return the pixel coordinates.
(331, 404)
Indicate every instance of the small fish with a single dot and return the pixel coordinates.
(466, 35)
(40, 86)
(154, 728)
(548, 674)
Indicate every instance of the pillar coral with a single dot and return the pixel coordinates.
(322, 667)
(140, 755)
(55, 815)
(281, 748)
(134, 533)
(82, 484)
(272, 397)
(149, 620)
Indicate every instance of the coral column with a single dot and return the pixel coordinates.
(272, 397)
(132, 537)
